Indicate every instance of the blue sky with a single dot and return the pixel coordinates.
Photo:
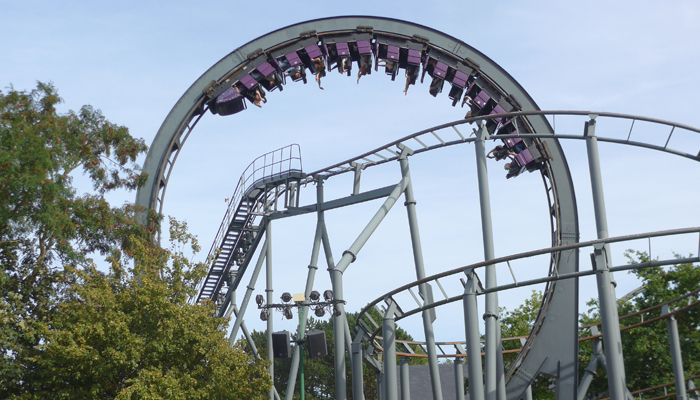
(133, 60)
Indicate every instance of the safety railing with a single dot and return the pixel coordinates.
(270, 165)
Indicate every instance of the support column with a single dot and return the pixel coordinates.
(248, 294)
(358, 390)
(612, 340)
(493, 377)
(348, 341)
(310, 277)
(268, 290)
(528, 391)
(471, 326)
(693, 393)
(420, 274)
(339, 336)
(405, 379)
(459, 378)
(589, 373)
(380, 386)
(676, 355)
(389, 344)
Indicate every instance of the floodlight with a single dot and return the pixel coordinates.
(288, 313)
(320, 312)
(328, 295)
(336, 311)
(259, 299)
(263, 315)
(286, 297)
(315, 295)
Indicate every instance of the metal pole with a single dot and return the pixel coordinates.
(350, 254)
(268, 290)
(380, 386)
(694, 393)
(405, 379)
(338, 322)
(494, 377)
(389, 344)
(676, 355)
(459, 379)
(589, 373)
(348, 341)
(300, 346)
(617, 384)
(420, 274)
(339, 337)
(500, 366)
(528, 391)
(471, 326)
(313, 266)
(248, 293)
(357, 373)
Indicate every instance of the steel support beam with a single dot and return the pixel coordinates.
(358, 390)
(389, 344)
(676, 355)
(493, 377)
(311, 275)
(248, 293)
(405, 379)
(589, 373)
(268, 291)
(350, 254)
(694, 393)
(471, 327)
(459, 378)
(606, 285)
(420, 273)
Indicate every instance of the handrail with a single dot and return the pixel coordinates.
(268, 165)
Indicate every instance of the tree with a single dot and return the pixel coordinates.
(68, 330)
(646, 347)
(44, 223)
(131, 334)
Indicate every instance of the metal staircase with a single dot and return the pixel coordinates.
(266, 179)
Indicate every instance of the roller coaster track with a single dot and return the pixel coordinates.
(552, 346)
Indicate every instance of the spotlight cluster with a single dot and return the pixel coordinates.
(299, 300)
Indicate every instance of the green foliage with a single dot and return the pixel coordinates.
(69, 331)
(646, 348)
(131, 334)
(44, 223)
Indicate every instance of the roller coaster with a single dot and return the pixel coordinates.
(499, 110)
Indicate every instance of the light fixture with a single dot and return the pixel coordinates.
(263, 315)
(336, 311)
(286, 297)
(288, 313)
(259, 299)
(328, 295)
(315, 295)
(320, 312)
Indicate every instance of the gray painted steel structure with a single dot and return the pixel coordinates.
(552, 346)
